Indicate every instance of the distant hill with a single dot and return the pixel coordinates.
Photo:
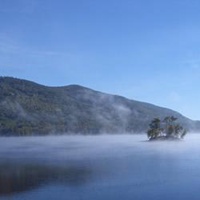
(27, 108)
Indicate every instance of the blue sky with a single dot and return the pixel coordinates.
(141, 49)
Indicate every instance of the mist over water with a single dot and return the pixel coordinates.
(99, 167)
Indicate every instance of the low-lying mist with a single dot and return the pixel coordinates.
(63, 148)
(99, 163)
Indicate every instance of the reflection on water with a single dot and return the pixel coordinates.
(19, 178)
(100, 168)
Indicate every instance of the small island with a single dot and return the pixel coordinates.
(166, 129)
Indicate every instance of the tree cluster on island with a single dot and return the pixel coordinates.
(168, 128)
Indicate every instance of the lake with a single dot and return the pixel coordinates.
(99, 167)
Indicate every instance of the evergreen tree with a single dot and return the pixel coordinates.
(167, 128)
(154, 128)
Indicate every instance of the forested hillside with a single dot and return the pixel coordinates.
(27, 108)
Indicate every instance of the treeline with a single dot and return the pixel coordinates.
(27, 108)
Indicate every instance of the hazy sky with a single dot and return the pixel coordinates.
(147, 50)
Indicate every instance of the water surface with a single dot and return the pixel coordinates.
(99, 167)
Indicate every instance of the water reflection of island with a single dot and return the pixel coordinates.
(19, 178)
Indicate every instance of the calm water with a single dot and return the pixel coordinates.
(99, 167)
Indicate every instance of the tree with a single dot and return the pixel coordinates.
(167, 128)
(155, 128)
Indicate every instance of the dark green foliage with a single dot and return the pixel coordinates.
(27, 108)
(167, 128)
(155, 128)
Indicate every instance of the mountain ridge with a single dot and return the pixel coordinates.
(29, 108)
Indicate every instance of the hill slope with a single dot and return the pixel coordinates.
(28, 108)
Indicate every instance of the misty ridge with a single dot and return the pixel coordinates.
(28, 108)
